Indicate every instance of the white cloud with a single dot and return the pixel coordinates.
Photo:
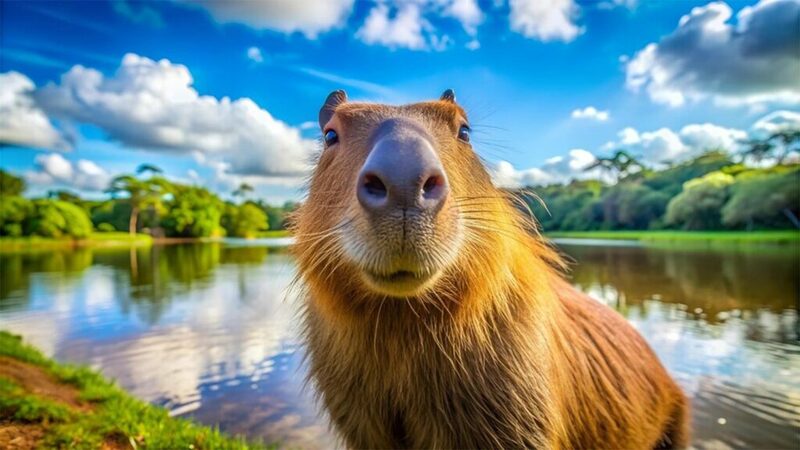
(254, 53)
(403, 30)
(751, 62)
(664, 144)
(465, 11)
(590, 112)
(473, 45)
(152, 105)
(288, 16)
(558, 169)
(546, 20)
(22, 123)
(54, 170)
(777, 121)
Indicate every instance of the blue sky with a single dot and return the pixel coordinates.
(547, 84)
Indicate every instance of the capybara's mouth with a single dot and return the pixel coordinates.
(401, 283)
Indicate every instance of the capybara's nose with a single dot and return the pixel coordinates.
(402, 171)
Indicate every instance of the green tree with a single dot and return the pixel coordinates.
(14, 214)
(56, 218)
(771, 200)
(141, 193)
(620, 165)
(192, 212)
(11, 184)
(243, 190)
(779, 145)
(245, 220)
(699, 206)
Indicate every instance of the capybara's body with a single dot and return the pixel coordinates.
(455, 328)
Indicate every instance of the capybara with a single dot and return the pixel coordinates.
(436, 317)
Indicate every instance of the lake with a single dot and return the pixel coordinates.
(206, 330)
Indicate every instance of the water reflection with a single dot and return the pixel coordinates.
(206, 330)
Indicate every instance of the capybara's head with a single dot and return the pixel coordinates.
(398, 197)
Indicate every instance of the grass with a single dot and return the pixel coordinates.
(112, 416)
(700, 237)
(274, 234)
(96, 239)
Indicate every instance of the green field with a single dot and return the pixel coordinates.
(97, 239)
(74, 407)
(691, 237)
(274, 234)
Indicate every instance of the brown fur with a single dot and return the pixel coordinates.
(499, 352)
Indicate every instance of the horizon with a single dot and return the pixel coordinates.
(232, 95)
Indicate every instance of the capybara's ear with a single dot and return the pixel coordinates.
(334, 99)
(448, 96)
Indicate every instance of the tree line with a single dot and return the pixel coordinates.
(714, 191)
(144, 202)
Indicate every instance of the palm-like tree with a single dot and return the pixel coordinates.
(243, 190)
(618, 166)
(142, 194)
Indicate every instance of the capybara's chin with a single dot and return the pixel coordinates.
(405, 264)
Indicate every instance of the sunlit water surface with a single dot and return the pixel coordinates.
(207, 330)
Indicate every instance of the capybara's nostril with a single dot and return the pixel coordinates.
(434, 186)
(372, 192)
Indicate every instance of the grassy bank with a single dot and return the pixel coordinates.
(44, 404)
(274, 234)
(688, 237)
(105, 240)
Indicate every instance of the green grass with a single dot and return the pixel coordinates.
(96, 239)
(703, 237)
(274, 234)
(115, 416)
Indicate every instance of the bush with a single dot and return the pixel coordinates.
(771, 200)
(14, 213)
(699, 206)
(244, 221)
(55, 219)
(106, 227)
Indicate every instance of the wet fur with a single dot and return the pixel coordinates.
(500, 353)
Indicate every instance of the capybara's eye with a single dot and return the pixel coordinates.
(331, 138)
(463, 133)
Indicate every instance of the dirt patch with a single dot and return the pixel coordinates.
(37, 381)
(16, 436)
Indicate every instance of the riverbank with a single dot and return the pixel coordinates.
(96, 240)
(44, 404)
(787, 237)
(114, 239)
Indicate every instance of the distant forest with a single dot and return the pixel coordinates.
(714, 191)
(145, 203)
(709, 192)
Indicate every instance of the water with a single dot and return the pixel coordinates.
(206, 331)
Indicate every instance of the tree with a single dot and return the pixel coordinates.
(243, 190)
(245, 220)
(771, 200)
(10, 184)
(619, 166)
(779, 145)
(192, 212)
(141, 194)
(699, 206)
(14, 214)
(56, 218)
(144, 168)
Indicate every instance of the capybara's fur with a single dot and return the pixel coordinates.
(499, 351)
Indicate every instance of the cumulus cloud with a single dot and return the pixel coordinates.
(777, 121)
(152, 105)
(403, 30)
(558, 169)
(750, 62)
(287, 16)
(22, 123)
(54, 170)
(254, 53)
(465, 11)
(546, 20)
(664, 144)
(590, 112)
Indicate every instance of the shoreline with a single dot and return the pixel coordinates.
(45, 404)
